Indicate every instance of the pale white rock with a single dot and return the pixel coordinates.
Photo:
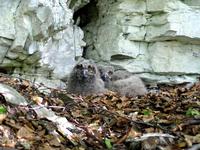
(150, 78)
(38, 37)
(20, 35)
(134, 19)
(195, 3)
(63, 125)
(59, 52)
(158, 38)
(165, 5)
(48, 83)
(7, 14)
(77, 4)
(39, 34)
(12, 96)
(128, 6)
(12, 55)
(3, 52)
(5, 42)
(180, 25)
(175, 58)
(134, 33)
(139, 62)
(10, 63)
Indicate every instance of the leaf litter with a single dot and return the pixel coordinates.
(165, 120)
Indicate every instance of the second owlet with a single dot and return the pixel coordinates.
(122, 82)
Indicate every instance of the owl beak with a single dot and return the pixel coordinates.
(85, 73)
(106, 77)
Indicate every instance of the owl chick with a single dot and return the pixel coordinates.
(131, 86)
(122, 82)
(85, 79)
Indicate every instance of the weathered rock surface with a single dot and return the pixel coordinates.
(38, 38)
(12, 96)
(159, 39)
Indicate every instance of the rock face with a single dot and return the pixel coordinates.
(12, 96)
(38, 38)
(158, 39)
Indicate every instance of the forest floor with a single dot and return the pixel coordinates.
(167, 120)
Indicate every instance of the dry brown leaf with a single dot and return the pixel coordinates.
(46, 146)
(2, 117)
(55, 142)
(7, 137)
(26, 133)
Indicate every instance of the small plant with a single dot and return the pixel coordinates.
(108, 143)
(3, 110)
(191, 112)
(146, 112)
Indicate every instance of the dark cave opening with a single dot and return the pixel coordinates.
(86, 14)
(6, 70)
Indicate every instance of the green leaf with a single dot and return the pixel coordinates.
(3, 110)
(108, 143)
(146, 112)
(191, 112)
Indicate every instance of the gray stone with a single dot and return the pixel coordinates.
(5, 42)
(63, 125)
(7, 13)
(12, 96)
(175, 58)
(39, 33)
(165, 5)
(150, 78)
(77, 4)
(158, 38)
(8, 63)
(12, 55)
(176, 25)
(3, 52)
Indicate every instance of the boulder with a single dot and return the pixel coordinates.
(12, 96)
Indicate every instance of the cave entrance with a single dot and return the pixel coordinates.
(86, 14)
(86, 18)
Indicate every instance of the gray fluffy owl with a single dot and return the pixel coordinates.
(122, 82)
(85, 79)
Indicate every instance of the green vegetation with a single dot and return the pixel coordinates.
(191, 112)
(108, 143)
(3, 110)
(146, 112)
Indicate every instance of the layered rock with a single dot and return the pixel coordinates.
(159, 39)
(38, 38)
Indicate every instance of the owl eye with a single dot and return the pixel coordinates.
(91, 68)
(80, 66)
(110, 72)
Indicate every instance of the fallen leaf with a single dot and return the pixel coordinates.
(26, 133)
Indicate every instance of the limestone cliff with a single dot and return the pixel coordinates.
(38, 38)
(158, 39)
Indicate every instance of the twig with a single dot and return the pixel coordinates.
(41, 106)
(149, 135)
(187, 123)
